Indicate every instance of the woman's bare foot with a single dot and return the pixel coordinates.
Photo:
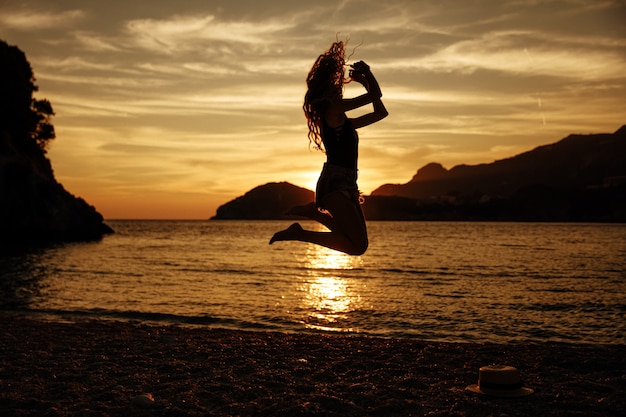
(290, 233)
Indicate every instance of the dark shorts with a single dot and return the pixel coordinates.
(336, 179)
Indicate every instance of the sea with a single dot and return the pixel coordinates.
(435, 281)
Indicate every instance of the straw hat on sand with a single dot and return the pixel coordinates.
(500, 381)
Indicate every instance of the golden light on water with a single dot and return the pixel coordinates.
(329, 296)
(319, 257)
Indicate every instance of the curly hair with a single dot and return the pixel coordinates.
(325, 80)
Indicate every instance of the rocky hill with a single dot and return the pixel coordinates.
(34, 207)
(580, 178)
(266, 202)
(576, 162)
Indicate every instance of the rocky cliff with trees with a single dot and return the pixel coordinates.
(34, 207)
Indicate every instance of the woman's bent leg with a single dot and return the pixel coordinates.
(348, 233)
(349, 222)
(312, 212)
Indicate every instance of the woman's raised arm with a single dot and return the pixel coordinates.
(361, 73)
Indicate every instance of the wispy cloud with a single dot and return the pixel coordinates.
(185, 33)
(36, 20)
(522, 53)
(93, 42)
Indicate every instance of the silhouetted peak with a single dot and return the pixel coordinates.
(275, 186)
(621, 132)
(268, 201)
(429, 172)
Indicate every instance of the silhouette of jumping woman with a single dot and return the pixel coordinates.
(337, 199)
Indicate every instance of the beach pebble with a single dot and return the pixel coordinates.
(143, 401)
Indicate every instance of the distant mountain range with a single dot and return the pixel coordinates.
(579, 178)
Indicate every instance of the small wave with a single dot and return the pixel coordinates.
(582, 307)
(435, 273)
(405, 271)
(98, 314)
(265, 323)
(230, 271)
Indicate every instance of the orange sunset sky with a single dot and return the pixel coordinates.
(168, 109)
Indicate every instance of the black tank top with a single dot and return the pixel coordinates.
(341, 145)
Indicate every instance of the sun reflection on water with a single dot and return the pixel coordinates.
(319, 257)
(329, 295)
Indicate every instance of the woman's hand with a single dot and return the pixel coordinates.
(360, 67)
(360, 73)
(359, 78)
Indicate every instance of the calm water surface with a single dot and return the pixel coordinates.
(499, 282)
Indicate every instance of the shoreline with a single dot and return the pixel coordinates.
(109, 368)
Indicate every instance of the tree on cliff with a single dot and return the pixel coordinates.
(34, 207)
(24, 118)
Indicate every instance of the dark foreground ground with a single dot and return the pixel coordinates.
(122, 369)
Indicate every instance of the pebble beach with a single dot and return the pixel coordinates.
(107, 368)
